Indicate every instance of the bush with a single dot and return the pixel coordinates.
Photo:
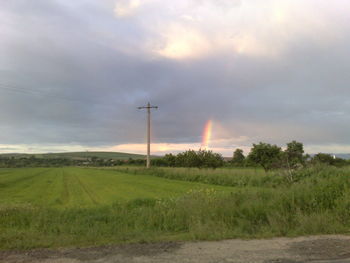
(323, 158)
(191, 158)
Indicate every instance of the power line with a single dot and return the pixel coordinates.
(18, 89)
(36, 92)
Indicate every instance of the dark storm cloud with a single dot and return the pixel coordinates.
(75, 73)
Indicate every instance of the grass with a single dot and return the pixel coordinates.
(316, 202)
(78, 187)
(236, 177)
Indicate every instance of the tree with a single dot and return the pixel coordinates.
(294, 154)
(188, 159)
(328, 159)
(238, 157)
(170, 159)
(266, 155)
(210, 159)
(323, 158)
(200, 159)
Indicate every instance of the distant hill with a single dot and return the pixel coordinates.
(79, 155)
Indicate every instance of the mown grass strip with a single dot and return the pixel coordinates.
(76, 187)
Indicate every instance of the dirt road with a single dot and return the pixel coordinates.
(278, 250)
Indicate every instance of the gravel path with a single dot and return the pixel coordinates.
(314, 249)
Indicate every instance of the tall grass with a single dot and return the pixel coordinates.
(239, 177)
(318, 202)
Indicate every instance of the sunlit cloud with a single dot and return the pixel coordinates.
(250, 45)
(196, 29)
(164, 148)
(179, 41)
(125, 8)
(156, 148)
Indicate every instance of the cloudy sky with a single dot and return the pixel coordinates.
(72, 74)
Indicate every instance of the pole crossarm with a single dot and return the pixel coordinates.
(148, 107)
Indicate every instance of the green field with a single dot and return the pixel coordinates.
(70, 207)
(79, 187)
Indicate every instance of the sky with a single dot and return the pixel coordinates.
(72, 74)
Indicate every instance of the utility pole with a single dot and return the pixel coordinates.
(148, 107)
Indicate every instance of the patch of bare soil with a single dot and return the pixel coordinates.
(278, 250)
(321, 249)
(89, 253)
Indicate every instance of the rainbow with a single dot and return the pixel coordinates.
(207, 135)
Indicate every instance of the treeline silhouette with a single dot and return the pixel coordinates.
(265, 155)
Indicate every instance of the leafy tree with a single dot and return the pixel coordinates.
(266, 155)
(210, 159)
(294, 154)
(328, 159)
(238, 158)
(323, 158)
(188, 159)
(170, 159)
(199, 159)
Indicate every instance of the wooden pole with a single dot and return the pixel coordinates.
(148, 107)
